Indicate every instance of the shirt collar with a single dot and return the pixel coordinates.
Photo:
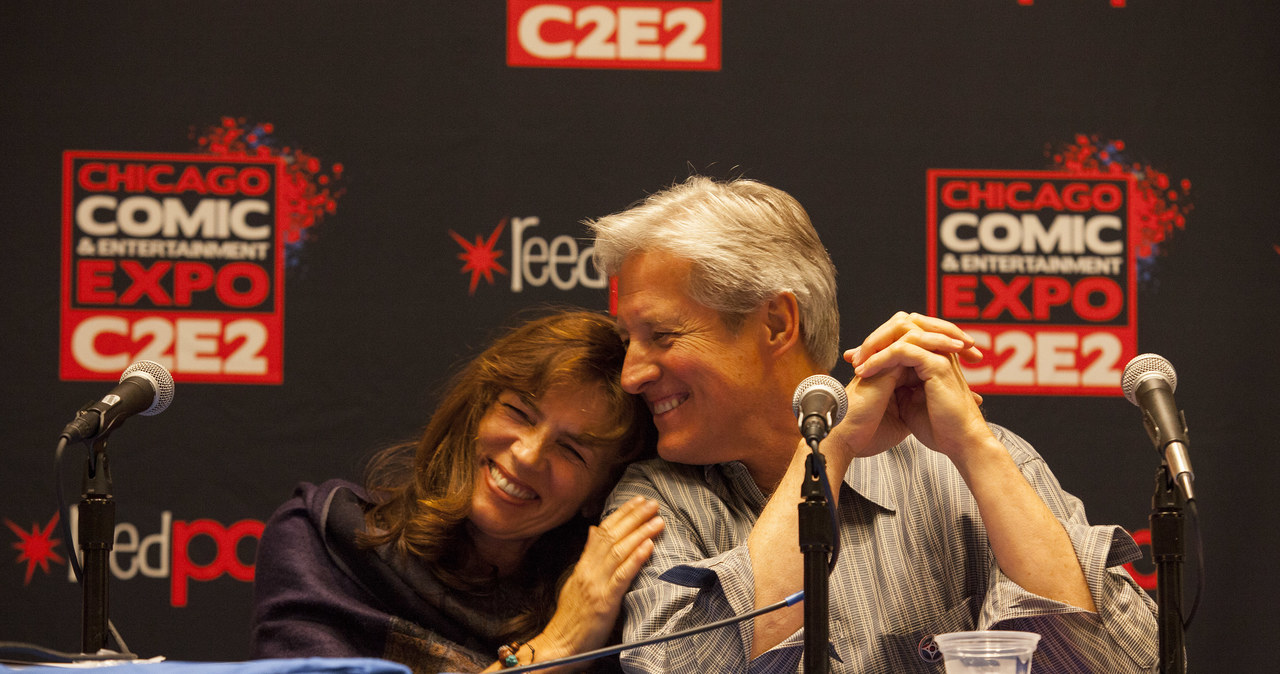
(734, 478)
(861, 477)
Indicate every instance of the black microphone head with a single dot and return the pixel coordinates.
(825, 383)
(160, 380)
(1142, 368)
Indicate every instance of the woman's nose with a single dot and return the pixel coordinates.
(529, 447)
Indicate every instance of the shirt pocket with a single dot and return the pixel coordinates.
(915, 650)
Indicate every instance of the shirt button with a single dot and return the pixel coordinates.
(928, 649)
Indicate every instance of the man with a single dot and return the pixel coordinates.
(726, 299)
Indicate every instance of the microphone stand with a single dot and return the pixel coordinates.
(816, 544)
(96, 532)
(1167, 550)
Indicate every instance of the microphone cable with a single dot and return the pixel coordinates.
(821, 477)
(610, 650)
(1199, 549)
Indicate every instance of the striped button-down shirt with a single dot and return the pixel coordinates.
(914, 561)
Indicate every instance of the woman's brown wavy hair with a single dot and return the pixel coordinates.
(422, 491)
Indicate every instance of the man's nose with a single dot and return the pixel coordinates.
(638, 369)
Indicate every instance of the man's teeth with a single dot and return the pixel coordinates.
(506, 486)
(668, 404)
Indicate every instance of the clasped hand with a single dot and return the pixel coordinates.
(908, 381)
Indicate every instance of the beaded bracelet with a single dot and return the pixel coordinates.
(507, 653)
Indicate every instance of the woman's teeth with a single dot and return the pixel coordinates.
(507, 487)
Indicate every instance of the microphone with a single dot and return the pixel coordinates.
(819, 403)
(1149, 382)
(145, 388)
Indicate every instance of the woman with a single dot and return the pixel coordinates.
(464, 547)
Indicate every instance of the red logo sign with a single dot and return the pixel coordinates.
(1039, 267)
(642, 35)
(36, 547)
(480, 258)
(165, 553)
(173, 258)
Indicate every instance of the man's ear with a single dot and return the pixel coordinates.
(782, 320)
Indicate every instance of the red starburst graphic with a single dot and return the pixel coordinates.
(36, 546)
(480, 257)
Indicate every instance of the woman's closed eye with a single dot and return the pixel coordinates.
(573, 452)
(519, 413)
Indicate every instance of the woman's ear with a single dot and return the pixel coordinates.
(782, 320)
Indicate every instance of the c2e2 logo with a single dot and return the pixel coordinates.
(610, 34)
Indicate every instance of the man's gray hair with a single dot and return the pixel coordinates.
(747, 242)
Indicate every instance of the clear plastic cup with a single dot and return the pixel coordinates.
(987, 652)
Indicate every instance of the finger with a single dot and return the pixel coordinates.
(631, 565)
(606, 547)
(970, 353)
(614, 570)
(615, 579)
(902, 323)
(613, 586)
(909, 351)
(629, 516)
(884, 335)
(621, 548)
(959, 372)
(935, 324)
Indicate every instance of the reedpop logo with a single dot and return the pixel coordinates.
(535, 260)
(176, 550)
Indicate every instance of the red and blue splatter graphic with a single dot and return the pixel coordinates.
(1161, 205)
(308, 191)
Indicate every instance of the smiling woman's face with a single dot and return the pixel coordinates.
(540, 461)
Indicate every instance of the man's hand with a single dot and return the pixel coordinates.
(930, 399)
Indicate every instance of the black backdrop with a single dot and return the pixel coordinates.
(421, 128)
